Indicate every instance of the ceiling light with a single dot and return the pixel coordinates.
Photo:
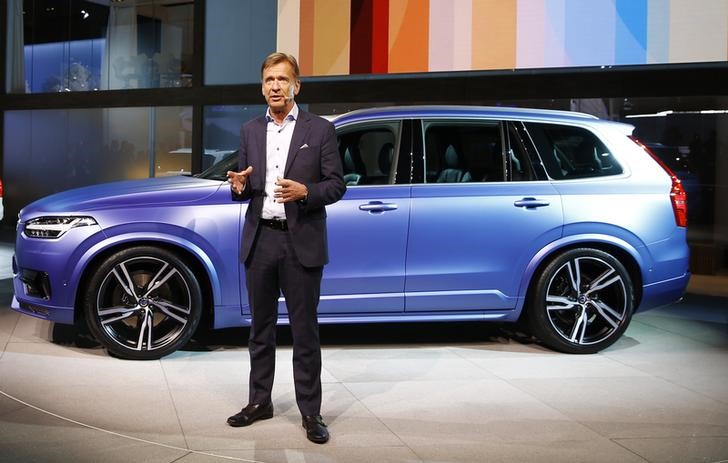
(671, 112)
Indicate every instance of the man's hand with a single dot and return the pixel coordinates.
(237, 179)
(289, 190)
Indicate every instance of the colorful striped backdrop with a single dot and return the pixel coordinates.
(339, 37)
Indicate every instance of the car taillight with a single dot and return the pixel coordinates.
(678, 196)
(679, 199)
(1, 188)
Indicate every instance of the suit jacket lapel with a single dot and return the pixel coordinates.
(299, 135)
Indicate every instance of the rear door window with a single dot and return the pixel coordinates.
(463, 152)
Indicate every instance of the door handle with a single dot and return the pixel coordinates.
(530, 203)
(377, 206)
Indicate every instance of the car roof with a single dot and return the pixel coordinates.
(458, 111)
(467, 112)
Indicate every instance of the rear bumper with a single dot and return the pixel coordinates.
(663, 292)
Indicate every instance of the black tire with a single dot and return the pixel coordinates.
(581, 302)
(143, 303)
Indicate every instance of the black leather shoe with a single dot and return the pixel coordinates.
(315, 429)
(250, 414)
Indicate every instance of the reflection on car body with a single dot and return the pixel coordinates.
(558, 219)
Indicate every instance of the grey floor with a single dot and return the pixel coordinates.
(411, 393)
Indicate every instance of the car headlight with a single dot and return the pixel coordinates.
(55, 227)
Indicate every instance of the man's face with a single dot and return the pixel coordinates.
(279, 86)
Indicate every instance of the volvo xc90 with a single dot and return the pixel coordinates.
(559, 219)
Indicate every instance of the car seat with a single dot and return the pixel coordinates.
(586, 159)
(351, 177)
(453, 173)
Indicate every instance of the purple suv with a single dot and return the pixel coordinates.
(558, 219)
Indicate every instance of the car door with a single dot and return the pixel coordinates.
(367, 228)
(479, 213)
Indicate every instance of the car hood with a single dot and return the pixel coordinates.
(149, 191)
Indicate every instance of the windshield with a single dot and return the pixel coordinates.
(218, 171)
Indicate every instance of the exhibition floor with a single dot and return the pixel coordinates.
(404, 393)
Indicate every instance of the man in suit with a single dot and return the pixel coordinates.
(290, 170)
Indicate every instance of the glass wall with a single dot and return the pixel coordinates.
(47, 151)
(79, 45)
(172, 137)
(242, 30)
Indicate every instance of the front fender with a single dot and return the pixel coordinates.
(177, 237)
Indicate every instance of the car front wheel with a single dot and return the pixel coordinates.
(582, 302)
(143, 303)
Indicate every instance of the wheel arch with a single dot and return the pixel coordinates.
(198, 266)
(632, 260)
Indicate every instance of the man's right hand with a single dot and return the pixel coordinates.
(237, 179)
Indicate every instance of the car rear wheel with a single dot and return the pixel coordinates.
(143, 303)
(582, 302)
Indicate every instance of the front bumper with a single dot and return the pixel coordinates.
(45, 273)
(32, 293)
(40, 310)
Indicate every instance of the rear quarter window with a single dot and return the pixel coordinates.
(572, 152)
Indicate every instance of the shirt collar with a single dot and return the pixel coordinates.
(291, 116)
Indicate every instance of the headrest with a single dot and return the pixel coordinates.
(451, 157)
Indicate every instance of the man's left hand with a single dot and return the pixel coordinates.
(289, 191)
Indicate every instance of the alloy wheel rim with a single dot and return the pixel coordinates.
(144, 303)
(586, 301)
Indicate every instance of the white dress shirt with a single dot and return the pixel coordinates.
(278, 141)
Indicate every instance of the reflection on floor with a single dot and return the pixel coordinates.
(405, 393)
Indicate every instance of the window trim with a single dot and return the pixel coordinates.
(535, 165)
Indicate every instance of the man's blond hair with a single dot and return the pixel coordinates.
(280, 57)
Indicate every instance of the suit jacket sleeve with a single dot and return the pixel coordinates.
(242, 164)
(331, 187)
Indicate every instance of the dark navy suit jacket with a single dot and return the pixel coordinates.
(313, 160)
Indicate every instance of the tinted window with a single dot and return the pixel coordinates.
(457, 152)
(572, 152)
(368, 154)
